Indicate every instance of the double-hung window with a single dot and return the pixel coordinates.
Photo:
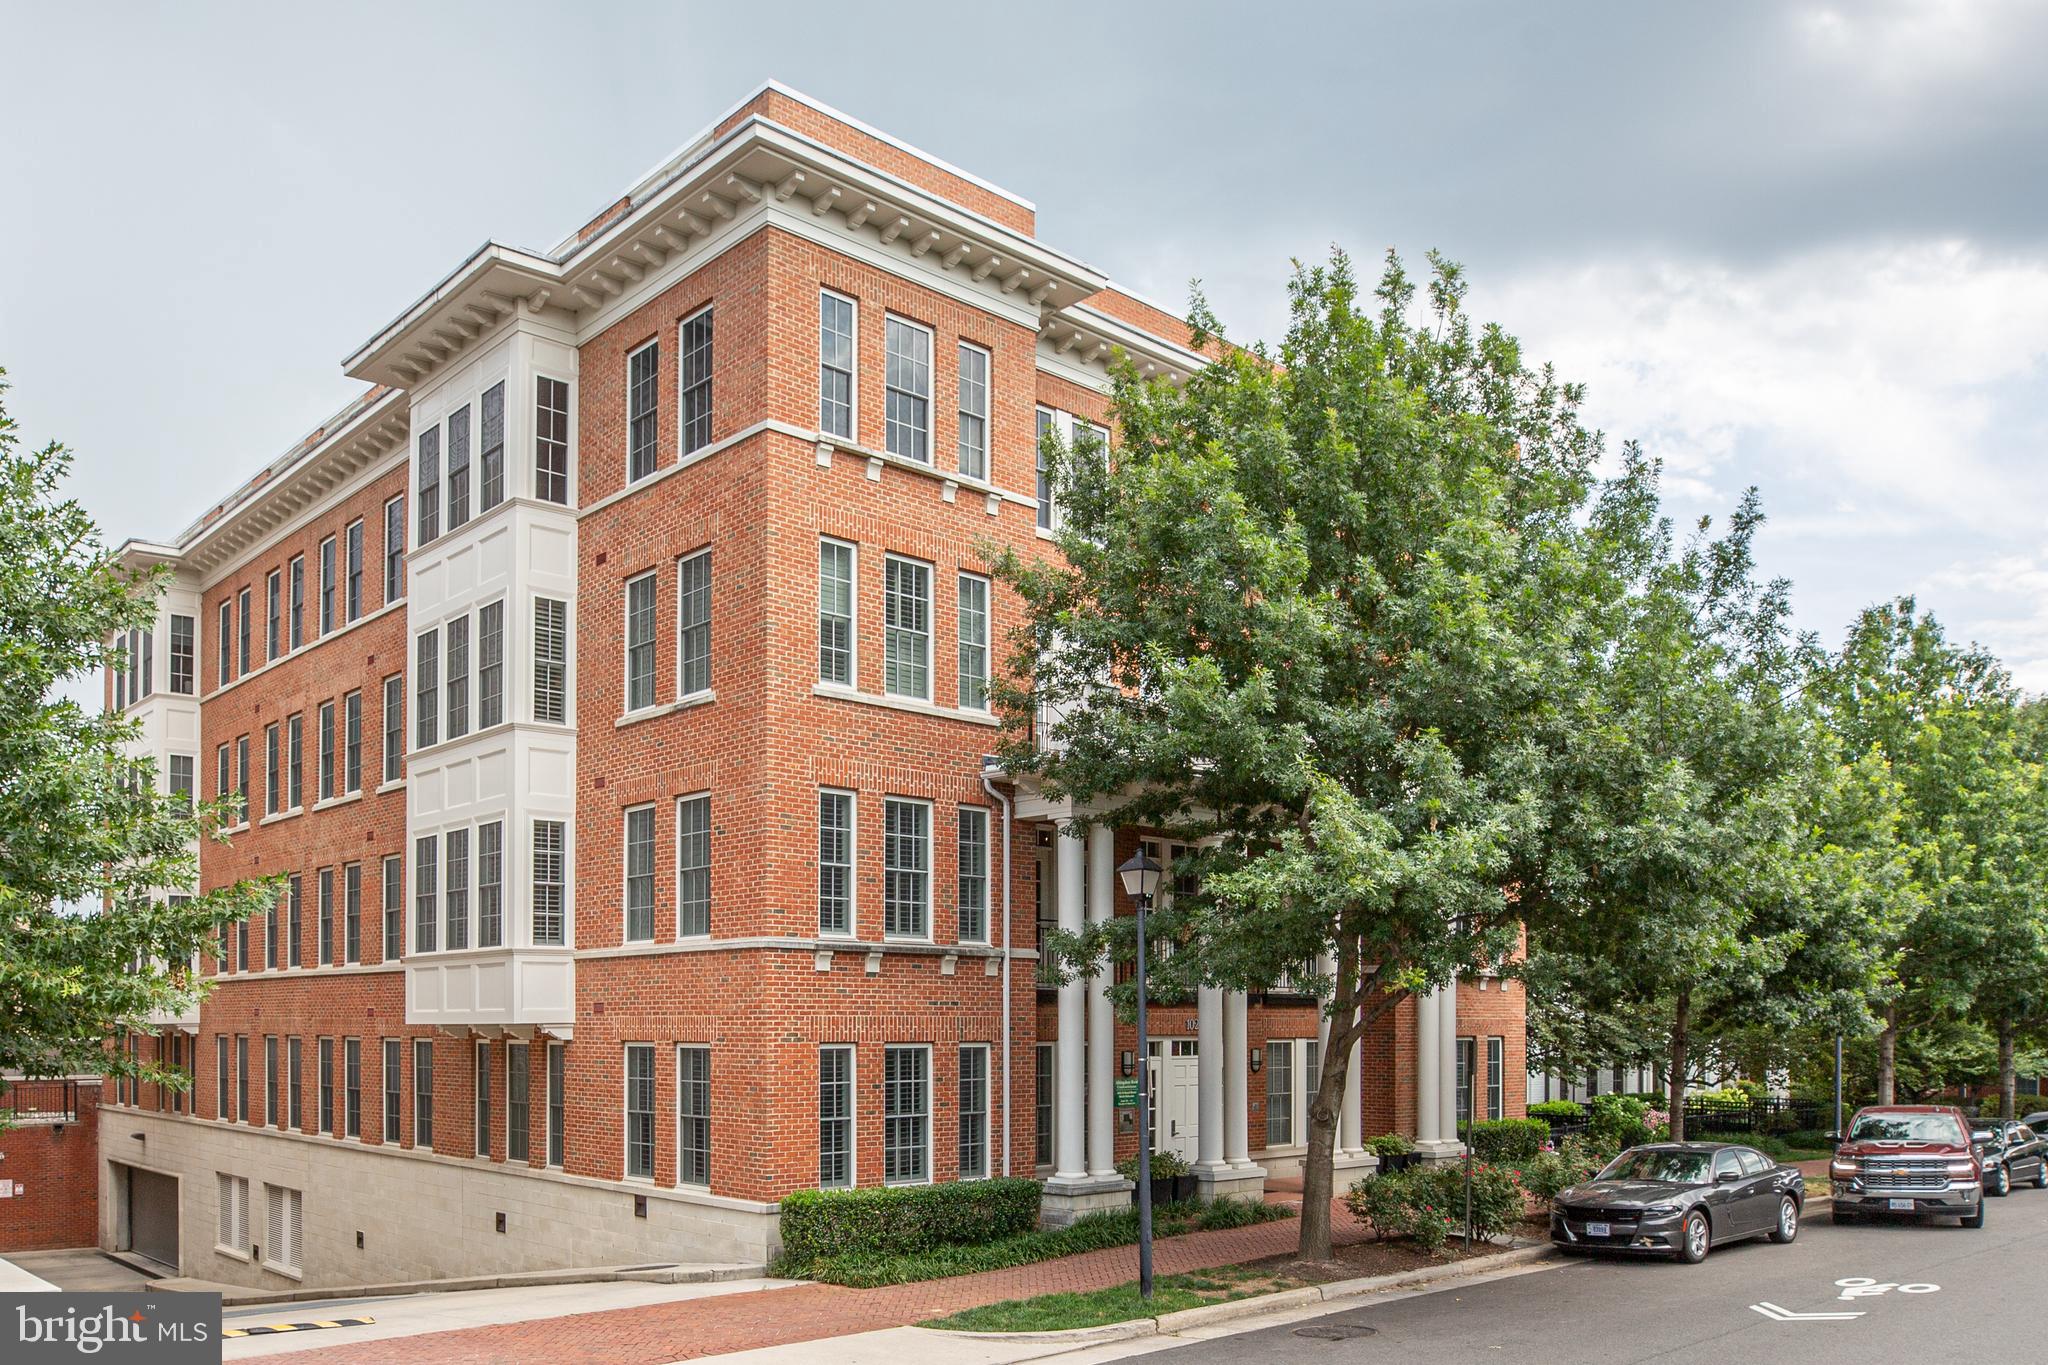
(557, 1101)
(242, 777)
(1046, 427)
(455, 692)
(640, 874)
(491, 452)
(974, 1111)
(223, 653)
(550, 885)
(295, 1101)
(394, 907)
(906, 868)
(906, 628)
(352, 1092)
(835, 612)
(394, 549)
(973, 874)
(550, 440)
(328, 617)
(324, 726)
(394, 726)
(693, 1116)
(550, 660)
(295, 940)
(352, 742)
(243, 626)
(273, 607)
(694, 394)
(273, 1113)
(482, 1072)
(327, 1085)
(490, 664)
(835, 1118)
(907, 390)
(1495, 1050)
(423, 1092)
(182, 777)
(457, 872)
(835, 862)
(220, 1076)
(640, 642)
(490, 884)
(223, 774)
(643, 378)
(295, 768)
(458, 467)
(352, 577)
(693, 866)
(426, 682)
(426, 885)
(352, 913)
(693, 624)
(835, 365)
(973, 642)
(518, 1108)
(640, 1111)
(298, 601)
(906, 1114)
(326, 937)
(272, 785)
(430, 484)
(394, 1052)
(973, 411)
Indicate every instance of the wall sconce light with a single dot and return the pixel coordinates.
(1130, 1064)
(1258, 1058)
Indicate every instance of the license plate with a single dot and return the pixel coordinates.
(1599, 1230)
(1900, 1205)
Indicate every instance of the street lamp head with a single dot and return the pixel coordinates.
(1140, 875)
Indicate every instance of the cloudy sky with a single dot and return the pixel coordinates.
(1794, 245)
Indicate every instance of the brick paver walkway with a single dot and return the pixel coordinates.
(776, 1317)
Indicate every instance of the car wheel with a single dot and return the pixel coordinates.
(1694, 1238)
(1840, 1217)
(1975, 1220)
(2041, 1176)
(1788, 1221)
(2000, 1183)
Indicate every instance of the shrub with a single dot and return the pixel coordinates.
(1389, 1144)
(1574, 1161)
(905, 1220)
(1620, 1119)
(1565, 1111)
(1165, 1165)
(1427, 1203)
(1514, 1140)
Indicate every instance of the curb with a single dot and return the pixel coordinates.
(1171, 1324)
(239, 1296)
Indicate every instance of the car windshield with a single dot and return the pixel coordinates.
(1904, 1128)
(1676, 1168)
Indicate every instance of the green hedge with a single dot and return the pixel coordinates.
(1507, 1139)
(905, 1220)
(1570, 1111)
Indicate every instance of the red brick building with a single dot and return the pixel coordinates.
(609, 680)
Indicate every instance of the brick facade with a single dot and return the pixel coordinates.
(769, 986)
(49, 1172)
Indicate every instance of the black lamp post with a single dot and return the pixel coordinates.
(1140, 875)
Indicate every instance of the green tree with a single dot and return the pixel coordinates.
(1315, 609)
(81, 821)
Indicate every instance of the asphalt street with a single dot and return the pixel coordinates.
(1988, 1289)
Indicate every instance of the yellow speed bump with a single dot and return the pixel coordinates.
(272, 1329)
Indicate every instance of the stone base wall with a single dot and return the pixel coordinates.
(418, 1215)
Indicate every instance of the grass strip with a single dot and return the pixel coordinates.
(1121, 1303)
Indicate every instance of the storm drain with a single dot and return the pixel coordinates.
(1336, 1331)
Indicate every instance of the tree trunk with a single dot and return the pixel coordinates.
(1681, 1020)
(1318, 1173)
(2007, 1081)
(1888, 1056)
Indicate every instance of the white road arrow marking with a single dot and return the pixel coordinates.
(1777, 1314)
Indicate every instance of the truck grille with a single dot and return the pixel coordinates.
(1904, 1175)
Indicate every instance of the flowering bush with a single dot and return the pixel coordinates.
(1658, 1122)
(1621, 1120)
(1574, 1160)
(1427, 1203)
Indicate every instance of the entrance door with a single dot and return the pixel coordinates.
(153, 1216)
(1176, 1084)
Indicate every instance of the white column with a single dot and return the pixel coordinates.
(1209, 1038)
(1101, 1019)
(1236, 1081)
(1350, 1120)
(1070, 1160)
(1447, 1063)
(1428, 1015)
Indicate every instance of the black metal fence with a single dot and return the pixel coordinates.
(1767, 1117)
(40, 1101)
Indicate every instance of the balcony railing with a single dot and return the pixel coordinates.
(40, 1101)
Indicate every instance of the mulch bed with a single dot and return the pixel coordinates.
(1369, 1258)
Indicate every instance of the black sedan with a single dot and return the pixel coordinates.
(1680, 1198)
(2012, 1152)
